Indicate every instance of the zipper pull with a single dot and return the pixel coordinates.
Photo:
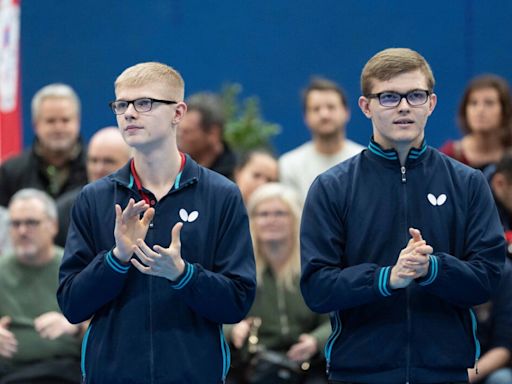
(328, 366)
(404, 179)
(476, 366)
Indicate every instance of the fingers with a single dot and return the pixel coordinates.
(148, 216)
(415, 234)
(144, 253)
(140, 267)
(176, 231)
(5, 321)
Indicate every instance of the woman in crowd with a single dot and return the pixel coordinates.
(279, 319)
(255, 168)
(485, 117)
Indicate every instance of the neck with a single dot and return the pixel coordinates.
(56, 158)
(485, 141)
(157, 169)
(208, 158)
(42, 258)
(278, 253)
(329, 144)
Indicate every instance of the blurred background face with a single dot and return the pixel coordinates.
(57, 124)
(32, 231)
(192, 138)
(273, 222)
(106, 153)
(483, 110)
(260, 169)
(325, 114)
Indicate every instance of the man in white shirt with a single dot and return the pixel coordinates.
(326, 114)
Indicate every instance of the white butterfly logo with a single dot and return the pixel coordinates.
(188, 217)
(440, 200)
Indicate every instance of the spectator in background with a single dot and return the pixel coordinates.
(255, 168)
(485, 117)
(106, 153)
(501, 184)
(200, 134)
(286, 324)
(326, 114)
(56, 162)
(37, 343)
(5, 241)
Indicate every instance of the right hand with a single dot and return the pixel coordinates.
(240, 332)
(8, 342)
(129, 227)
(412, 261)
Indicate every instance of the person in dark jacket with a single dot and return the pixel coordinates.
(55, 163)
(400, 242)
(159, 254)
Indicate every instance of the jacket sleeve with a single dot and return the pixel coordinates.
(225, 294)
(326, 284)
(471, 278)
(87, 279)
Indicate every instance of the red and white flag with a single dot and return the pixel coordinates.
(10, 99)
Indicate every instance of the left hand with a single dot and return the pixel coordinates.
(52, 325)
(159, 261)
(304, 349)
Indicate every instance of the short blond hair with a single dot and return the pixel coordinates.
(392, 62)
(152, 72)
(54, 91)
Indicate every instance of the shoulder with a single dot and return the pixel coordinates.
(298, 154)
(19, 161)
(352, 146)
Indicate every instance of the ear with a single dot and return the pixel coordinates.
(497, 183)
(181, 109)
(364, 104)
(432, 103)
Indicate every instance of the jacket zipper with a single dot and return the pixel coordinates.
(403, 173)
(226, 355)
(474, 325)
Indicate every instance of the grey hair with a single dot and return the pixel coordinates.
(54, 91)
(31, 193)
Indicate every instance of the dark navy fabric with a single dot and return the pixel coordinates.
(148, 329)
(354, 225)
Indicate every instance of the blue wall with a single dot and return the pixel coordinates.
(270, 47)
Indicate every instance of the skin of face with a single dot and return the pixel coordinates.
(402, 126)
(192, 138)
(325, 114)
(147, 130)
(106, 153)
(57, 124)
(32, 244)
(483, 110)
(259, 170)
(274, 226)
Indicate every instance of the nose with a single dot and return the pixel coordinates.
(130, 111)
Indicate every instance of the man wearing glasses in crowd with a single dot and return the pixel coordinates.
(150, 254)
(399, 242)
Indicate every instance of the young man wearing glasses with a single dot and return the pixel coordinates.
(151, 254)
(399, 242)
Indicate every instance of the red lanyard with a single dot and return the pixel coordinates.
(139, 184)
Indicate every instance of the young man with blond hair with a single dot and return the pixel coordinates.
(399, 242)
(151, 254)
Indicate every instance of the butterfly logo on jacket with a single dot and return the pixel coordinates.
(436, 201)
(188, 217)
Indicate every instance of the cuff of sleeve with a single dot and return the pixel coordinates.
(115, 264)
(184, 278)
(382, 281)
(433, 270)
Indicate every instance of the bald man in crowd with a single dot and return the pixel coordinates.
(106, 153)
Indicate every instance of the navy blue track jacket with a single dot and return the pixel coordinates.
(354, 225)
(147, 329)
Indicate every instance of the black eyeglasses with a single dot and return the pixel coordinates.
(143, 104)
(391, 99)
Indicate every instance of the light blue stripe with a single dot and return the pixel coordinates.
(332, 338)
(188, 276)
(177, 182)
(475, 337)
(130, 185)
(114, 265)
(84, 350)
(226, 354)
(380, 283)
(434, 267)
(391, 156)
(385, 281)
